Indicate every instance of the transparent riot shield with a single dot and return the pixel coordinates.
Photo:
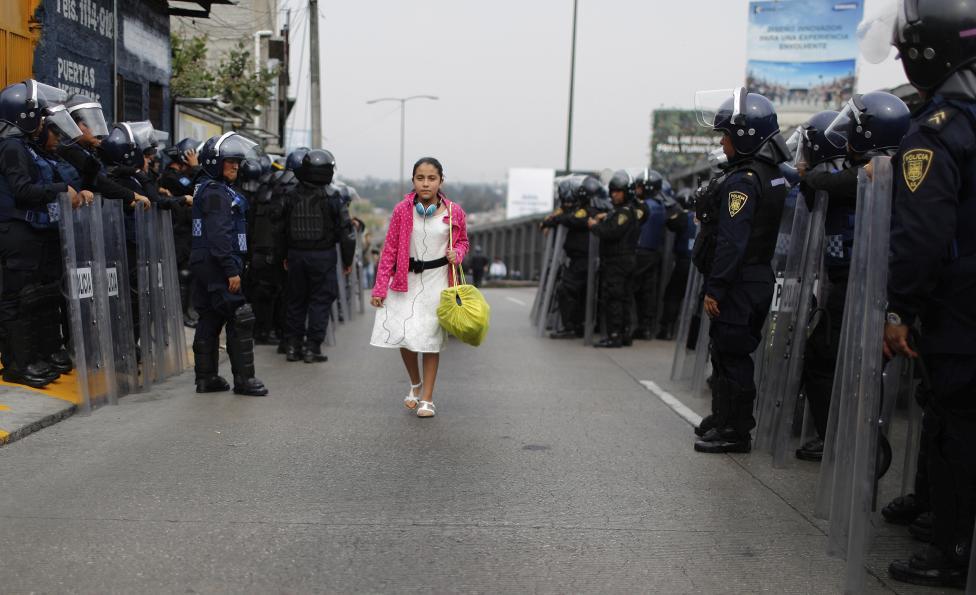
(120, 298)
(770, 356)
(549, 289)
(850, 468)
(177, 356)
(592, 278)
(82, 246)
(690, 309)
(700, 371)
(667, 268)
(343, 298)
(330, 334)
(550, 244)
(359, 289)
(152, 343)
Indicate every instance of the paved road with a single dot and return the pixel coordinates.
(549, 468)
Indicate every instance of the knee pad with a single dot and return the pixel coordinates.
(244, 318)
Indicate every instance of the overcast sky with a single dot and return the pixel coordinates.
(501, 71)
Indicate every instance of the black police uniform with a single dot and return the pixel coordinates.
(30, 252)
(94, 175)
(740, 222)
(219, 232)
(182, 183)
(315, 221)
(618, 240)
(266, 274)
(932, 277)
(571, 292)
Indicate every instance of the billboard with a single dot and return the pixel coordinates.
(802, 54)
(530, 191)
(679, 141)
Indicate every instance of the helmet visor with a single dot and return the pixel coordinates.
(711, 106)
(92, 116)
(234, 146)
(143, 134)
(876, 32)
(838, 130)
(45, 95)
(793, 142)
(58, 120)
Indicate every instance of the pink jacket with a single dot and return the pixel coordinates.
(396, 249)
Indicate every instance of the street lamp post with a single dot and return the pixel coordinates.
(403, 103)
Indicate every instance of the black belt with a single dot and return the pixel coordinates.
(419, 266)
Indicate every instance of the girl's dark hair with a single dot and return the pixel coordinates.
(429, 161)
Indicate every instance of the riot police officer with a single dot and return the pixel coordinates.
(662, 214)
(30, 183)
(315, 220)
(282, 184)
(827, 139)
(179, 178)
(217, 261)
(266, 272)
(617, 230)
(740, 219)
(573, 213)
(932, 269)
(674, 293)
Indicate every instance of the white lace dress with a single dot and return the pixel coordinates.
(409, 319)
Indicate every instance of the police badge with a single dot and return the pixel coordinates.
(915, 165)
(737, 200)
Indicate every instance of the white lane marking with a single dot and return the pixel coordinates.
(516, 300)
(673, 402)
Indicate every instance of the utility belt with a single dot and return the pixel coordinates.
(419, 266)
(37, 219)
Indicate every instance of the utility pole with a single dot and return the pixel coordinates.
(572, 86)
(403, 127)
(316, 91)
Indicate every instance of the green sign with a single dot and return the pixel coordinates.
(679, 141)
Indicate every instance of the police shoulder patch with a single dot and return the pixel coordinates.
(737, 200)
(622, 219)
(640, 214)
(580, 214)
(939, 119)
(915, 166)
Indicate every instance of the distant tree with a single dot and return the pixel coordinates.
(234, 78)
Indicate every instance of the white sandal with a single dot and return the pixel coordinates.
(426, 409)
(411, 400)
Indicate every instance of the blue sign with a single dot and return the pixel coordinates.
(802, 54)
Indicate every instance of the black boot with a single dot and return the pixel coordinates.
(613, 340)
(293, 349)
(811, 451)
(929, 568)
(720, 408)
(921, 527)
(205, 361)
(724, 440)
(240, 348)
(566, 333)
(19, 366)
(733, 419)
(903, 510)
(313, 353)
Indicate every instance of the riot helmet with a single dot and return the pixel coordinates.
(180, 149)
(265, 162)
(935, 38)
(87, 111)
(249, 174)
(650, 182)
(621, 182)
(590, 188)
(294, 158)
(143, 135)
(24, 104)
(812, 146)
(317, 168)
(229, 146)
(870, 123)
(749, 119)
(59, 121)
(564, 192)
(119, 147)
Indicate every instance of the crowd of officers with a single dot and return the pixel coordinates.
(931, 261)
(632, 228)
(256, 240)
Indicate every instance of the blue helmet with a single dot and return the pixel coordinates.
(120, 148)
(748, 118)
(812, 146)
(24, 104)
(229, 146)
(870, 123)
(294, 159)
(250, 170)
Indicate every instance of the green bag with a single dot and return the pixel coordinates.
(463, 311)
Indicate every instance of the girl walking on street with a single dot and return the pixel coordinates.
(427, 233)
